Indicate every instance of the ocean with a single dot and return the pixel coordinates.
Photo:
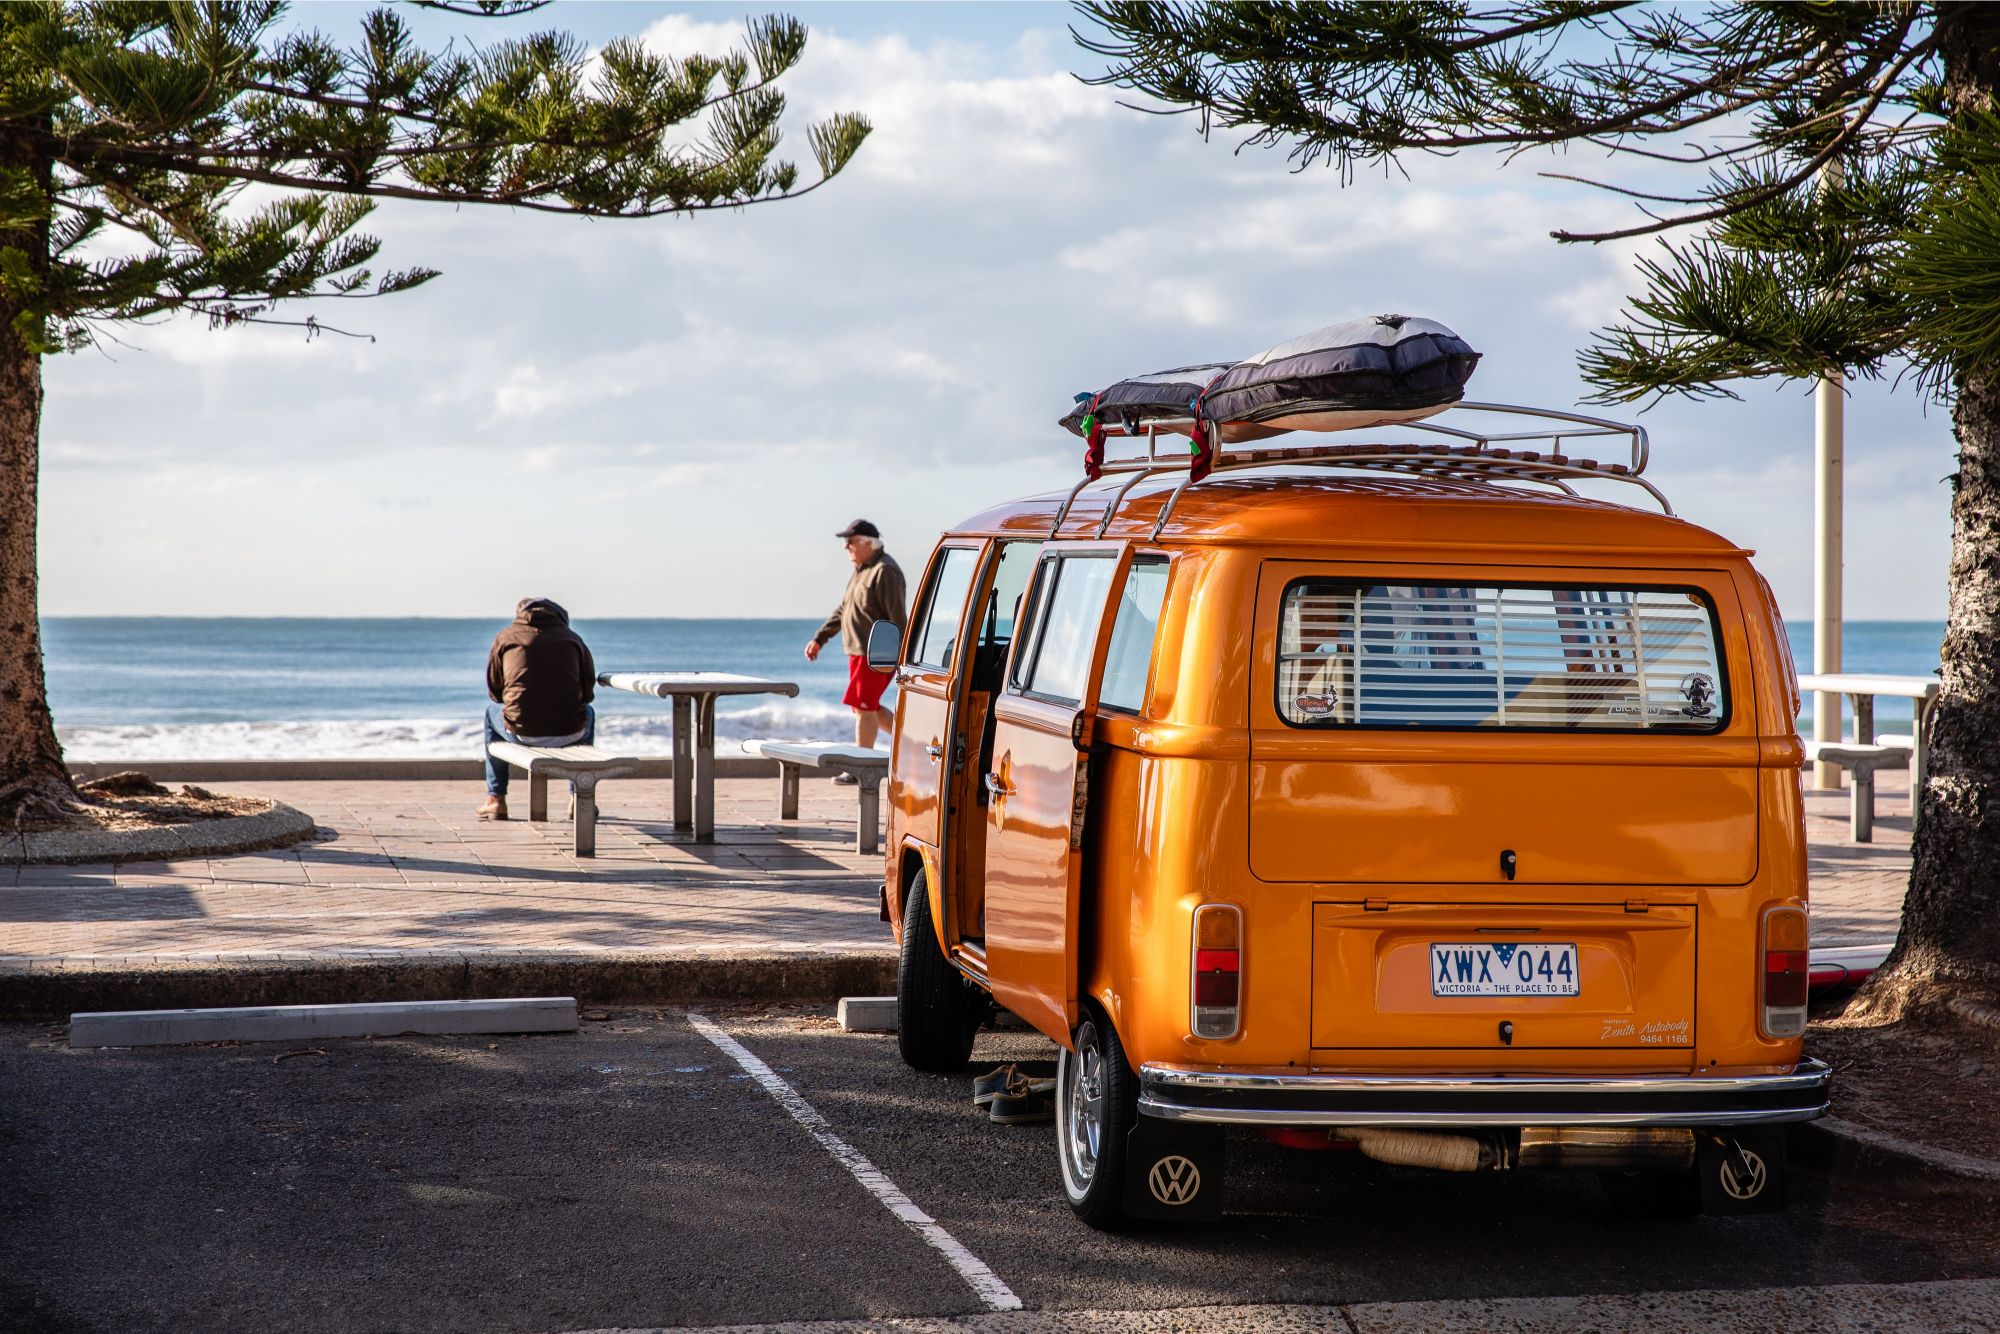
(160, 688)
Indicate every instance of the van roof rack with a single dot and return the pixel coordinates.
(1463, 453)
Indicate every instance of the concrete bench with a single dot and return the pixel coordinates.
(582, 766)
(1862, 761)
(869, 768)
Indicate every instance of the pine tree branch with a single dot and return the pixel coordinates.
(1827, 153)
(112, 155)
(335, 102)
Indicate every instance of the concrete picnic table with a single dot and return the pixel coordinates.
(1861, 689)
(694, 695)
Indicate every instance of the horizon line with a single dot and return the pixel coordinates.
(464, 616)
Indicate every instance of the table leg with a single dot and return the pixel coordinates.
(683, 762)
(704, 770)
(1863, 820)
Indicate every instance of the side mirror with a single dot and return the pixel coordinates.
(885, 646)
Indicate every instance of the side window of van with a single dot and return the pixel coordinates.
(1015, 563)
(1520, 658)
(1068, 604)
(937, 627)
(1131, 654)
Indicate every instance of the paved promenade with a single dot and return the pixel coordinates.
(405, 872)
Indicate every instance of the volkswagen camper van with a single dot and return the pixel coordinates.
(1403, 796)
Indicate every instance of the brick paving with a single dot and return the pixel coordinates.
(1857, 888)
(408, 869)
(408, 873)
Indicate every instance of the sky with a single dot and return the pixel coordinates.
(672, 417)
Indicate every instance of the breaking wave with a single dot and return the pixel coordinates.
(431, 738)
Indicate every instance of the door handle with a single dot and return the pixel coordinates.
(934, 750)
(996, 787)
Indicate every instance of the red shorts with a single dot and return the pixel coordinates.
(864, 685)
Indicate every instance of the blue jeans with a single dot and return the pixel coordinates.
(496, 730)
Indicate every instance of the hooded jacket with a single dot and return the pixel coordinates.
(541, 671)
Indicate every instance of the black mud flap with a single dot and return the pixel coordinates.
(1742, 1171)
(1173, 1171)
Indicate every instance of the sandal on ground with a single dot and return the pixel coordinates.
(846, 780)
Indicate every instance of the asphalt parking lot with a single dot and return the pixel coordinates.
(635, 1175)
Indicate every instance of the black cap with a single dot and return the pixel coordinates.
(860, 528)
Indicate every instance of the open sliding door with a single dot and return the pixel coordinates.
(1036, 784)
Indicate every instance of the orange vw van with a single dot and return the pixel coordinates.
(1394, 796)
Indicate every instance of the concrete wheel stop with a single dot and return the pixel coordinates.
(287, 1023)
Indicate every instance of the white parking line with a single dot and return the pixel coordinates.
(983, 1281)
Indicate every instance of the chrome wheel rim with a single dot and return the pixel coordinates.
(1083, 1106)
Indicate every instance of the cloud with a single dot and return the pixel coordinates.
(906, 337)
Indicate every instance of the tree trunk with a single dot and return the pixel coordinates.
(1950, 938)
(33, 781)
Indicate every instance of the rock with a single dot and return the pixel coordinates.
(125, 783)
(1970, 1068)
(198, 793)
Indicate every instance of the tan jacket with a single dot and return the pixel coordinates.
(874, 593)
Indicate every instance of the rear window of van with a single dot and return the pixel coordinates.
(1509, 657)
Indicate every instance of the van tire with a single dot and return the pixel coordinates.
(937, 1010)
(1655, 1195)
(1095, 1186)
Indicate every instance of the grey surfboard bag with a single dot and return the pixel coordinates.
(1134, 403)
(1386, 368)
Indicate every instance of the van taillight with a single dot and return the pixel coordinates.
(1786, 971)
(1218, 970)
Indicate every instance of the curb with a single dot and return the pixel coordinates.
(60, 989)
(1856, 1155)
(278, 827)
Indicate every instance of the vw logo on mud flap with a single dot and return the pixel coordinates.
(1174, 1180)
(1739, 1189)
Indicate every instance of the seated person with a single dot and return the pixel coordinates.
(541, 680)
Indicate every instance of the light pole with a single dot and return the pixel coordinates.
(1829, 448)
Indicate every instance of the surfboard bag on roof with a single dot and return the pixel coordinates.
(1169, 400)
(1387, 368)
(1143, 399)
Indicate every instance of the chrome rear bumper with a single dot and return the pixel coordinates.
(1288, 1097)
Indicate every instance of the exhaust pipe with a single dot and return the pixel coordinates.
(1422, 1148)
(1654, 1147)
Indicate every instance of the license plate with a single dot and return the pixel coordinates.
(1487, 968)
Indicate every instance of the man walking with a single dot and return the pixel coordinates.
(874, 593)
(541, 679)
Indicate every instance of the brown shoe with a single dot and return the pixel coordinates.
(494, 809)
